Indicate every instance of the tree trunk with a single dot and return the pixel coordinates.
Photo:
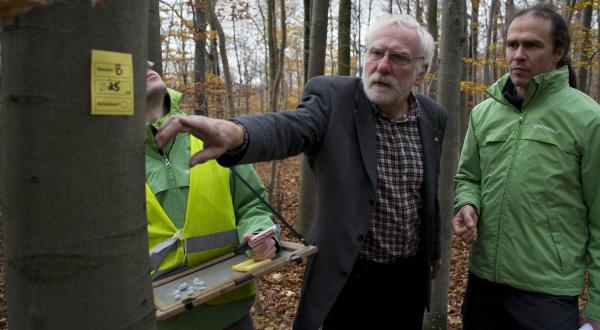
(224, 61)
(356, 35)
(200, 23)
(345, 10)
(307, 22)
(598, 41)
(316, 66)
(449, 97)
(490, 30)
(432, 27)
(473, 50)
(586, 44)
(275, 164)
(72, 183)
(463, 116)
(154, 41)
(213, 56)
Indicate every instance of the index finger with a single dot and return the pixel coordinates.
(168, 131)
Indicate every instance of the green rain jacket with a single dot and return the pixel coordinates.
(534, 178)
(171, 186)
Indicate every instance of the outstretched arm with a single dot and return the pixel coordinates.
(219, 136)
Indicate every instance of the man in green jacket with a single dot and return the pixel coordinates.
(197, 214)
(528, 188)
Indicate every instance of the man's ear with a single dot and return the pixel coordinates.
(421, 74)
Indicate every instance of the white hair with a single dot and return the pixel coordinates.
(425, 38)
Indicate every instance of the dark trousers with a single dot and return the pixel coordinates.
(489, 305)
(381, 296)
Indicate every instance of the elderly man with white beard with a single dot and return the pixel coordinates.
(374, 147)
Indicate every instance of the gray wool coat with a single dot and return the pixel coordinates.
(334, 126)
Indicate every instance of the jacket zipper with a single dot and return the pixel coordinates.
(506, 185)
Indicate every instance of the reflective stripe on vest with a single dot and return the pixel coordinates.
(193, 244)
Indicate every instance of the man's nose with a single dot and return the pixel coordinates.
(384, 64)
(520, 53)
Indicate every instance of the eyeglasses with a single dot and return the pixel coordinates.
(399, 59)
(149, 65)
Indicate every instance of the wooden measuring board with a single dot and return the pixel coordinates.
(218, 278)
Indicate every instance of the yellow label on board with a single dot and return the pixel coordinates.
(112, 83)
(249, 265)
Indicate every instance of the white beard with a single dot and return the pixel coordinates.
(395, 92)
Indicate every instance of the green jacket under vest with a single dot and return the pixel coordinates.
(189, 207)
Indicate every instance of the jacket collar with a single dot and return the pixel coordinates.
(546, 83)
(172, 100)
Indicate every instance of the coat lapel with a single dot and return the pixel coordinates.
(365, 128)
(431, 138)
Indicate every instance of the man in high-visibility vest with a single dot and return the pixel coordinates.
(197, 214)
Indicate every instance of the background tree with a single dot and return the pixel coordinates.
(154, 40)
(214, 22)
(72, 183)
(449, 97)
(432, 27)
(279, 53)
(344, 15)
(316, 66)
(586, 50)
(200, 24)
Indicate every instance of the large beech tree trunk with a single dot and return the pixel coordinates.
(72, 184)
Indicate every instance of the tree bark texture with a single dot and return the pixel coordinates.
(452, 41)
(345, 11)
(72, 184)
(154, 40)
(316, 66)
(200, 24)
(224, 61)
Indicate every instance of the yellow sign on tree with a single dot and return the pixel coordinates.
(111, 83)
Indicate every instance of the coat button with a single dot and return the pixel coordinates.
(343, 274)
(360, 238)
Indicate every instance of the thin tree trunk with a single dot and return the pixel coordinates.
(200, 23)
(154, 41)
(224, 61)
(419, 11)
(272, 48)
(276, 164)
(432, 27)
(316, 66)
(307, 23)
(598, 41)
(345, 11)
(75, 232)
(238, 60)
(582, 72)
(490, 30)
(474, 48)
(449, 97)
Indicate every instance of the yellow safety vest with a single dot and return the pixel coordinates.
(209, 230)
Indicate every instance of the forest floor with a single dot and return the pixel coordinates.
(279, 291)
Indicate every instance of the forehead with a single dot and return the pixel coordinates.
(397, 38)
(530, 27)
